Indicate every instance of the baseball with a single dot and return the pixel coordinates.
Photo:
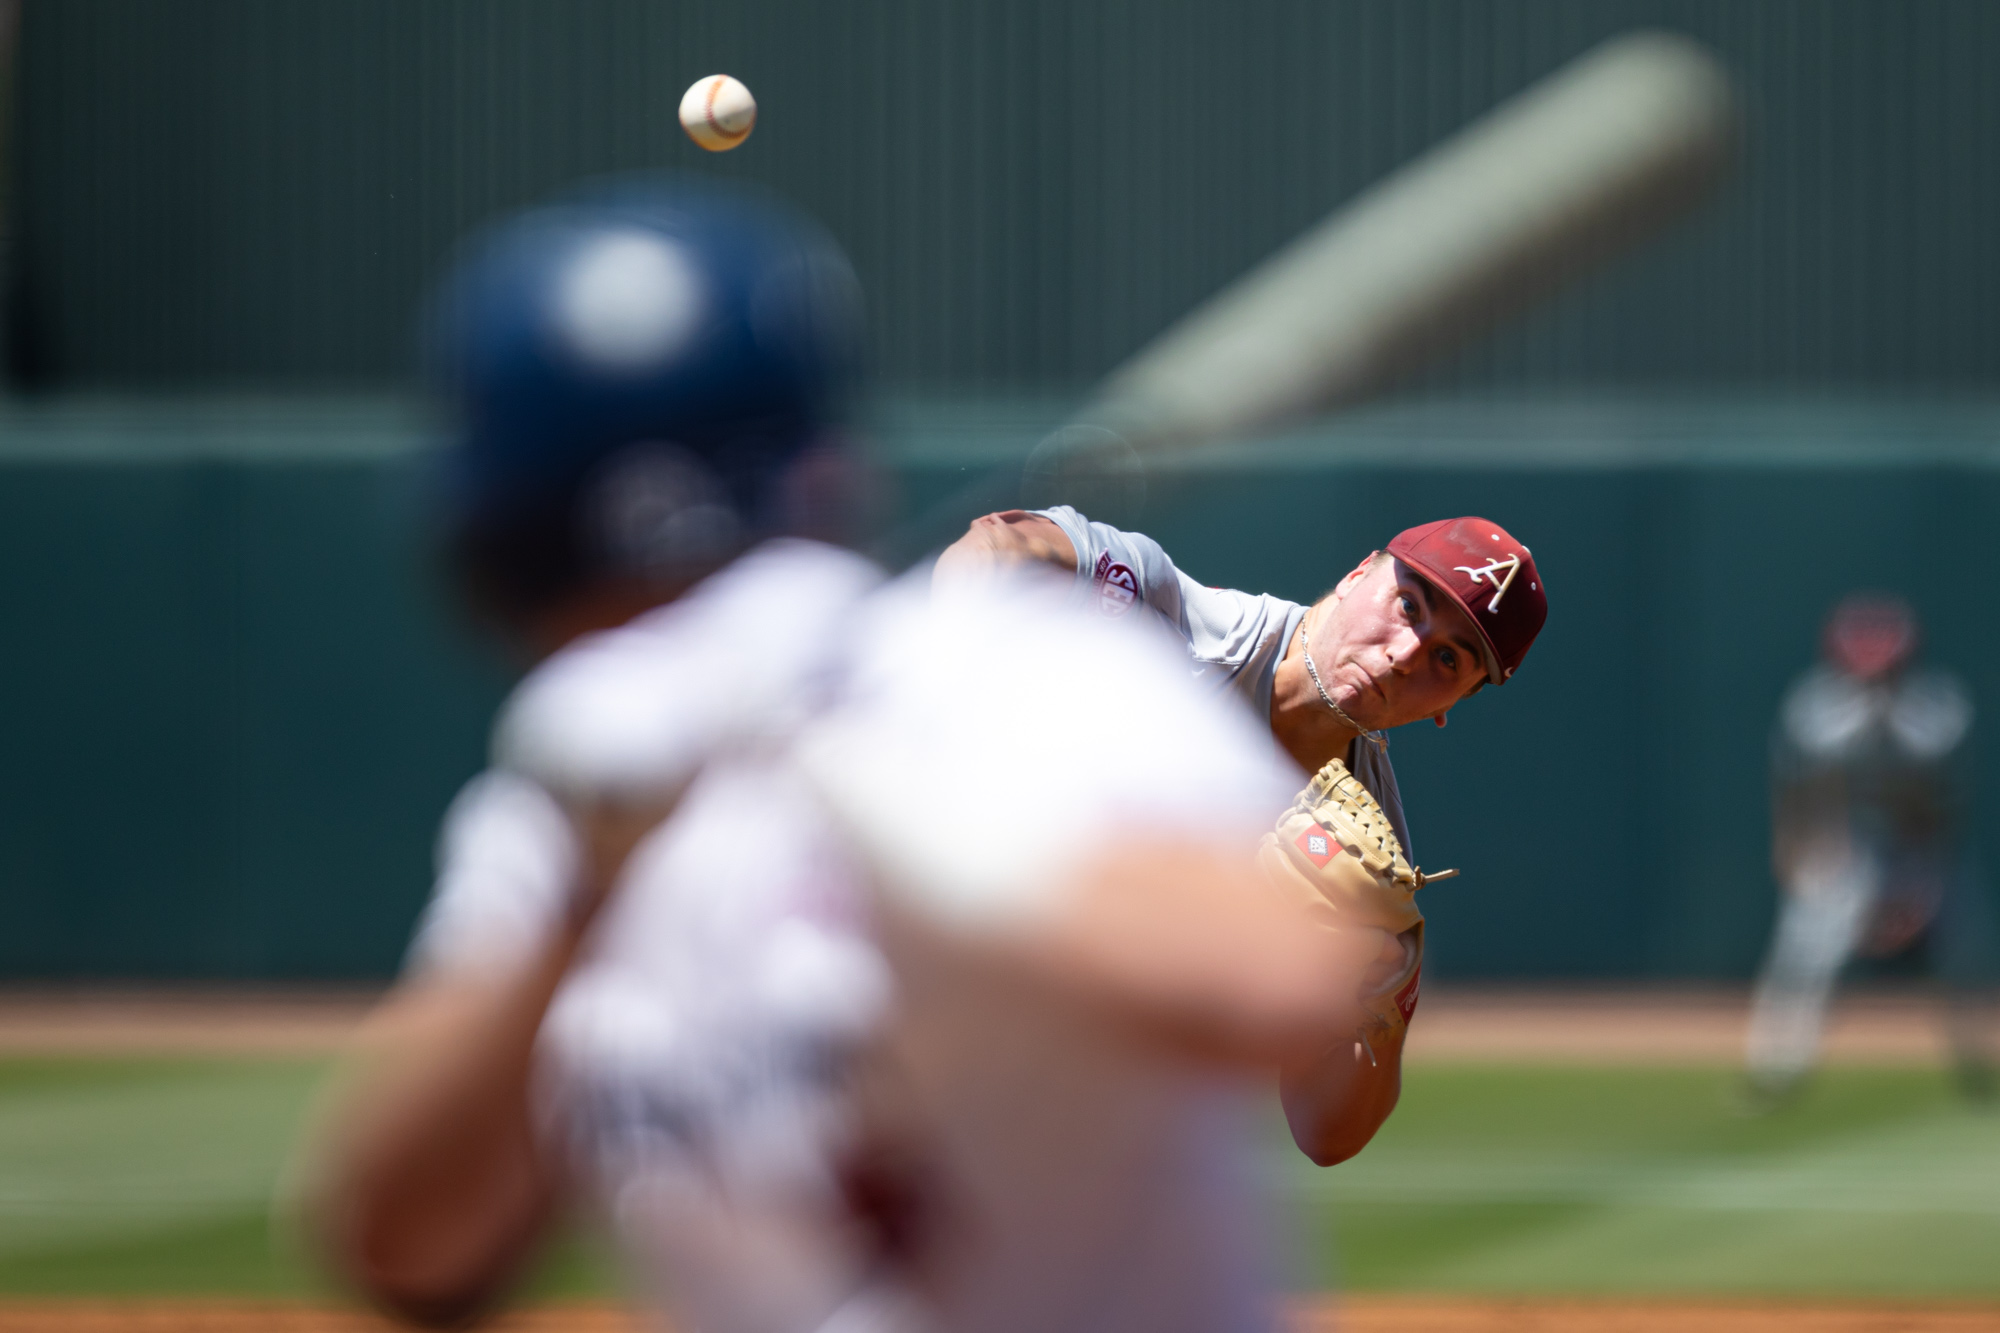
(718, 113)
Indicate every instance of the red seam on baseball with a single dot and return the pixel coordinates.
(708, 111)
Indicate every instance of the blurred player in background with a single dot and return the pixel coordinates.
(1869, 841)
(757, 935)
(1434, 616)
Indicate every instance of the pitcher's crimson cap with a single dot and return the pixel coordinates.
(1478, 564)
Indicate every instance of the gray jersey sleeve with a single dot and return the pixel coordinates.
(1236, 638)
(1116, 570)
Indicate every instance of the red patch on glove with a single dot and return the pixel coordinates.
(1318, 845)
(1406, 998)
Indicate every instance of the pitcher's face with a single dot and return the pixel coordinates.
(1390, 648)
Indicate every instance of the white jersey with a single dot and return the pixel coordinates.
(1104, 1188)
(689, 1065)
(841, 747)
(1236, 638)
(636, 709)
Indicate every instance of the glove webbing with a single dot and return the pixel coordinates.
(1381, 851)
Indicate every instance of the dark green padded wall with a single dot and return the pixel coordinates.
(231, 713)
(252, 190)
(233, 709)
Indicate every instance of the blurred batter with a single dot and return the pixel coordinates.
(755, 938)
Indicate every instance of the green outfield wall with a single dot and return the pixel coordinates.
(233, 704)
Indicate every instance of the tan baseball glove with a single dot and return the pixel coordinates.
(1337, 852)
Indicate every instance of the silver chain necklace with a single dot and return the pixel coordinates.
(1305, 644)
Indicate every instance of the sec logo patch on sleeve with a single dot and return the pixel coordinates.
(1117, 586)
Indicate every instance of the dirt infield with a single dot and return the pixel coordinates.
(1429, 1315)
(178, 1021)
(1586, 1025)
(1359, 1315)
(1660, 1026)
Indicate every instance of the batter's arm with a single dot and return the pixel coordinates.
(1335, 1104)
(427, 1184)
(1009, 537)
(431, 1191)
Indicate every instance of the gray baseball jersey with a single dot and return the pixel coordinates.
(1236, 638)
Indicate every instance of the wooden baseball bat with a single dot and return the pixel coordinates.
(1582, 165)
(1589, 161)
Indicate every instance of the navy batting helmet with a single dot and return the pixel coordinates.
(630, 371)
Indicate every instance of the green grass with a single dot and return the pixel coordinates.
(128, 1177)
(122, 1177)
(1874, 1183)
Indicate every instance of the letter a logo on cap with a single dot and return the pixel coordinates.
(1490, 571)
